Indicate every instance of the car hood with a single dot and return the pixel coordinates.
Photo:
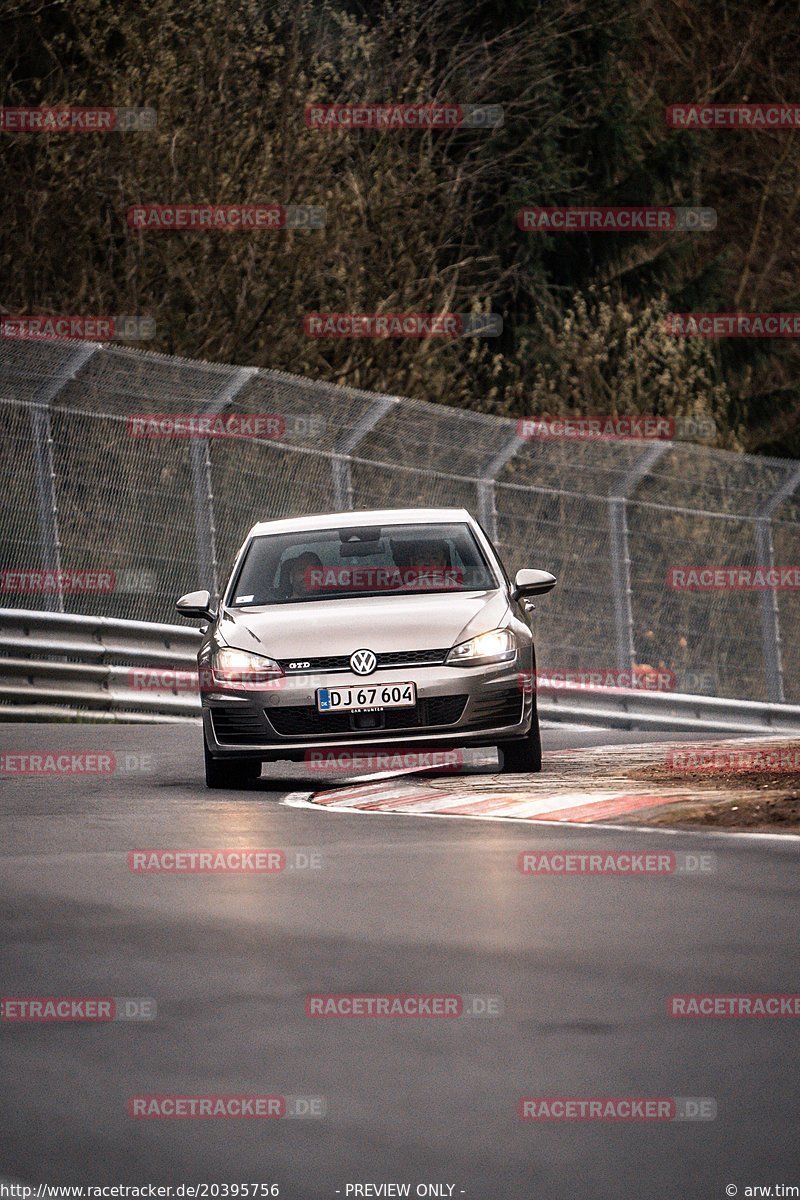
(317, 628)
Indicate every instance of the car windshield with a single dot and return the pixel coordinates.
(374, 560)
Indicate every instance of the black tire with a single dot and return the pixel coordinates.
(230, 772)
(523, 755)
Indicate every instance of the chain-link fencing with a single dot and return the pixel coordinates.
(101, 514)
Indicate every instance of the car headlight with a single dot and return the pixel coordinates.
(238, 668)
(496, 646)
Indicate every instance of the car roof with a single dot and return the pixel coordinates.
(379, 516)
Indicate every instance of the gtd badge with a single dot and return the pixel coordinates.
(363, 662)
(299, 666)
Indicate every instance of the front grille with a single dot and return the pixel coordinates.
(245, 725)
(386, 660)
(237, 726)
(407, 658)
(305, 721)
(442, 710)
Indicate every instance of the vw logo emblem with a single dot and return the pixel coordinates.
(363, 662)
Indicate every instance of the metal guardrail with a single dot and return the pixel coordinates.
(621, 708)
(63, 667)
(58, 666)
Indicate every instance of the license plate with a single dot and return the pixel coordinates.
(369, 697)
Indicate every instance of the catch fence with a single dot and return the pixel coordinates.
(83, 492)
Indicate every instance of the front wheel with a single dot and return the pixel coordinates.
(230, 772)
(523, 755)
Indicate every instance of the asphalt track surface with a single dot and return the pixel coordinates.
(399, 904)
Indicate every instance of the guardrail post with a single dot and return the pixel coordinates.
(487, 509)
(770, 613)
(343, 494)
(44, 467)
(620, 553)
(202, 483)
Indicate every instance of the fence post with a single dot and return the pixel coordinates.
(343, 494)
(202, 483)
(487, 509)
(770, 613)
(44, 467)
(620, 552)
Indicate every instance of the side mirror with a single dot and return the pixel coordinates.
(532, 583)
(196, 605)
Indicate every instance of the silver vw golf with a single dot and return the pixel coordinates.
(397, 628)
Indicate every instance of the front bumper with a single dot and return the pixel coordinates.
(456, 706)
